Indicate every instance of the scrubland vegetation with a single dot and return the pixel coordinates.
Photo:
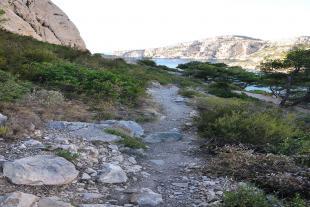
(48, 81)
(253, 141)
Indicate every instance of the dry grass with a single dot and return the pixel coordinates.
(27, 116)
(274, 173)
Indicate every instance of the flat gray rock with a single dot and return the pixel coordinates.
(112, 174)
(163, 137)
(52, 202)
(40, 170)
(158, 162)
(88, 131)
(147, 198)
(132, 127)
(97, 205)
(18, 199)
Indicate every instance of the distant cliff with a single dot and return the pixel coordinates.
(235, 50)
(42, 20)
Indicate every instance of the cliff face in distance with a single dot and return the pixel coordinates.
(234, 50)
(42, 20)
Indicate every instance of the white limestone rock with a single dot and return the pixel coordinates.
(18, 199)
(42, 20)
(112, 174)
(40, 170)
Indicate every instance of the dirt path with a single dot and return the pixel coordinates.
(172, 165)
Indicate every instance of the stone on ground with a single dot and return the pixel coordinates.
(112, 174)
(163, 137)
(40, 170)
(97, 205)
(52, 202)
(3, 119)
(88, 131)
(18, 199)
(133, 128)
(147, 198)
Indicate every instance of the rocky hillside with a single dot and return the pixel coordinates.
(42, 20)
(235, 50)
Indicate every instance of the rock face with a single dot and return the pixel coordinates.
(41, 20)
(112, 174)
(233, 50)
(40, 170)
(18, 199)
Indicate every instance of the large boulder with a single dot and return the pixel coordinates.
(42, 20)
(3, 119)
(112, 174)
(52, 202)
(163, 137)
(18, 199)
(147, 198)
(40, 170)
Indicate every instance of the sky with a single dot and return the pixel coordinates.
(111, 25)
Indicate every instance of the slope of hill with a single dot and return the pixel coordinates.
(42, 20)
(234, 50)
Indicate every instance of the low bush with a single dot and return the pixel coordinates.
(249, 196)
(67, 154)
(234, 121)
(189, 93)
(11, 89)
(274, 173)
(44, 97)
(127, 141)
(147, 62)
(74, 79)
(4, 130)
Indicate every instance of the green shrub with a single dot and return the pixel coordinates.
(128, 141)
(147, 62)
(233, 121)
(10, 88)
(67, 154)
(297, 201)
(190, 93)
(4, 131)
(249, 196)
(40, 55)
(72, 78)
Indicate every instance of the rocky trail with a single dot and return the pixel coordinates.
(80, 164)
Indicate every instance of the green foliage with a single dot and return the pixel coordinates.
(4, 130)
(189, 93)
(233, 121)
(147, 62)
(289, 78)
(297, 201)
(218, 72)
(248, 196)
(67, 154)
(127, 141)
(222, 89)
(77, 74)
(10, 88)
(72, 78)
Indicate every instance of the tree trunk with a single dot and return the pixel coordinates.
(288, 91)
